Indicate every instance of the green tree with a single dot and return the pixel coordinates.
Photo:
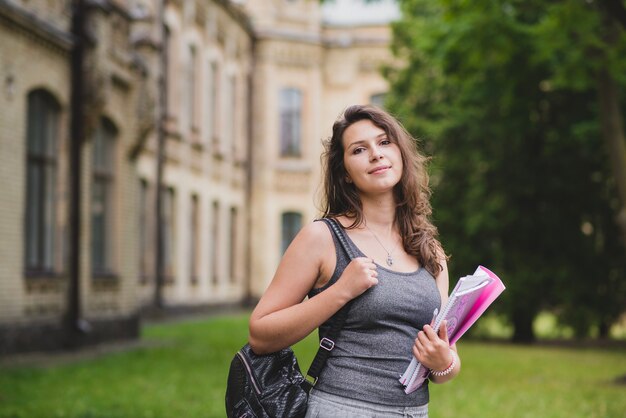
(520, 175)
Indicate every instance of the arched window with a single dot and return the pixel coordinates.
(215, 241)
(102, 198)
(146, 242)
(42, 133)
(232, 254)
(194, 240)
(191, 80)
(212, 104)
(291, 224)
(290, 103)
(169, 233)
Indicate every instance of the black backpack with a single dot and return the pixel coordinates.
(266, 386)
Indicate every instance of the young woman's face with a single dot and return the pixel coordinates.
(372, 160)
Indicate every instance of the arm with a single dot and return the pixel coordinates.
(282, 318)
(432, 350)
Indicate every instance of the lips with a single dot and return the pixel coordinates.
(379, 169)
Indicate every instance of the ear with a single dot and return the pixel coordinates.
(348, 179)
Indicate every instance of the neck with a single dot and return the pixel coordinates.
(379, 213)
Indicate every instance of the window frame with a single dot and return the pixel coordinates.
(103, 177)
(42, 131)
(290, 109)
(290, 225)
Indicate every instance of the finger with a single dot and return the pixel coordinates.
(443, 331)
(418, 349)
(423, 338)
(363, 261)
(430, 332)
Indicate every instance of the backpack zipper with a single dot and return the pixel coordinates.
(242, 357)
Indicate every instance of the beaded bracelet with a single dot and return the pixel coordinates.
(447, 370)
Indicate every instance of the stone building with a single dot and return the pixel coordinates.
(67, 261)
(223, 103)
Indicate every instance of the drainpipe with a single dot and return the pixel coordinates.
(159, 303)
(248, 299)
(75, 325)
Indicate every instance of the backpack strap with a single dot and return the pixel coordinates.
(327, 343)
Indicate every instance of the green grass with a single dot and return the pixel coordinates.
(182, 369)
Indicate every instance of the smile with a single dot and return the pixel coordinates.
(379, 170)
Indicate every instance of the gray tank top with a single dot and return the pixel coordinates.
(374, 346)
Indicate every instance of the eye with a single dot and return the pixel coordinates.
(358, 150)
(385, 142)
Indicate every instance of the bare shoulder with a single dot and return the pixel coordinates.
(316, 232)
(312, 240)
(314, 244)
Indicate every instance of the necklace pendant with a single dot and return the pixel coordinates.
(389, 260)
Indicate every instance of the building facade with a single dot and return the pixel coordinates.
(40, 175)
(223, 104)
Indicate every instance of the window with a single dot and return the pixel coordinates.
(194, 240)
(211, 122)
(169, 48)
(291, 224)
(215, 242)
(103, 159)
(191, 81)
(145, 211)
(169, 232)
(231, 113)
(215, 108)
(233, 244)
(41, 171)
(290, 122)
(378, 99)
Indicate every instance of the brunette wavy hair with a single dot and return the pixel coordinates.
(412, 193)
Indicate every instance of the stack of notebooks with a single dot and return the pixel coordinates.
(471, 296)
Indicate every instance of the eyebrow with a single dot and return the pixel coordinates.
(362, 141)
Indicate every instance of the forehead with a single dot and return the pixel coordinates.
(362, 130)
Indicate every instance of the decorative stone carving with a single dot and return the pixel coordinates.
(292, 181)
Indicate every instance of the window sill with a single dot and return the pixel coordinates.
(42, 274)
(44, 282)
(104, 276)
(103, 281)
(293, 165)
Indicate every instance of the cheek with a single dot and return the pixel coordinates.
(349, 166)
(398, 157)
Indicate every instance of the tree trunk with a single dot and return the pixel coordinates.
(523, 326)
(614, 139)
(603, 330)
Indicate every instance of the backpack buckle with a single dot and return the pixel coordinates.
(327, 344)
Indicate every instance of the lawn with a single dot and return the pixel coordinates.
(181, 368)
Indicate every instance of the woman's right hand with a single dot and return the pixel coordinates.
(359, 275)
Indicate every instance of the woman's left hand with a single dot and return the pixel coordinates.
(432, 350)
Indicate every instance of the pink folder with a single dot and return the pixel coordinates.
(486, 297)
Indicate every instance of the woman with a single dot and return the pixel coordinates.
(376, 187)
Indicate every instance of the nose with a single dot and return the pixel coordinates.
(375, 154)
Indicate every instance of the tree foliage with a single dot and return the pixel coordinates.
(504, 95)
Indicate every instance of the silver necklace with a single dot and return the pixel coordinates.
(389, 258)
